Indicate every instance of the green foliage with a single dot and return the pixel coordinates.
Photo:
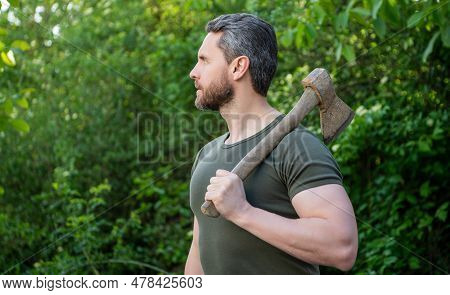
(399, 201)
(73, 197)
(10, 101)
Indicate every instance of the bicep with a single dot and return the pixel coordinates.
(327, 202)
(331, 205)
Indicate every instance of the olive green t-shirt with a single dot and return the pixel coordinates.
(299, 162)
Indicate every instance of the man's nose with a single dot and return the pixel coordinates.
(193, 74)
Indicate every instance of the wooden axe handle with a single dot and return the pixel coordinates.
(306, 103)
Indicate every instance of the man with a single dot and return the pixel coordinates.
(292, 213)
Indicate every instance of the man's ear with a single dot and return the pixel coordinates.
(240, 66)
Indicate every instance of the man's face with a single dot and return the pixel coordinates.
(211, 76)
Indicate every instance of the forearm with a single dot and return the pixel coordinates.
(314, 240)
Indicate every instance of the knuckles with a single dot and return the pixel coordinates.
(223, 184)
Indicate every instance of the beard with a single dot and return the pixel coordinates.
(216, 95)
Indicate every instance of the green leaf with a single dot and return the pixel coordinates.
(23, 103)
(414, 263)
(8, 58)
(411, 198)
(429, 48)
(390, 260)
(319, 12)
(27, 91)
(2, 45)
(442, 211)
(338, 51)
(375, 7)
(393, 14)
(437, 133)
(8, 107)
(200, 5)
(341, 20)
(361, 11)
(350, 5)
(311, 31)
(425, 221)
(414, 19)
(445, 35)
(425, 189)
(14, 3)
(20, 44)
(379, 27)
(299, 35)
(424, 145)
(348, 53)
(287, 38)
(2, 190)
(20, 125)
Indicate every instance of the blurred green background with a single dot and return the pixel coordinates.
(78, 193)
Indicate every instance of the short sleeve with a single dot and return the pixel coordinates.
(302, 162)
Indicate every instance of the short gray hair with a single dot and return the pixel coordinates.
(246, 34)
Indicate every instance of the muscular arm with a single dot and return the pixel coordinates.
(325, 233)
(193, 264)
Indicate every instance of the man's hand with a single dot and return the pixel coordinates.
(226, 191)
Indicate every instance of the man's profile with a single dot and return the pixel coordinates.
(292, 213)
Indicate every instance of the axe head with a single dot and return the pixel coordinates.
(335, 115)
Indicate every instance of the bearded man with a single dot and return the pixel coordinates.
(292, 213)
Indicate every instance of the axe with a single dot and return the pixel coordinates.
(335, 115)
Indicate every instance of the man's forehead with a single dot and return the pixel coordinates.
(209, 44)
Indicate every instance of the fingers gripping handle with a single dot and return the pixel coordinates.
(208, 207)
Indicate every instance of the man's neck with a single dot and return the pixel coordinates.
(246, 117)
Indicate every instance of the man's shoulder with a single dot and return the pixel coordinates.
(303, 161)
(300, 138)
(206, 148)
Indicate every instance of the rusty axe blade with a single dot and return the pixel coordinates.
(335, 115)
